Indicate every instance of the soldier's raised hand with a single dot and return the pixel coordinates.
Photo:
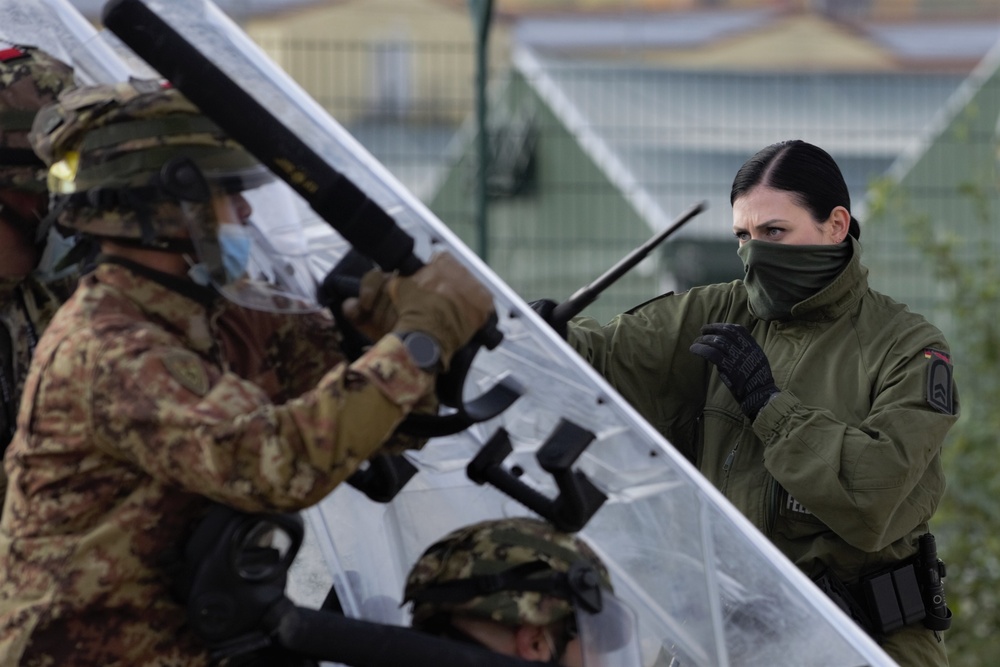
(743, 366)
(444, 300)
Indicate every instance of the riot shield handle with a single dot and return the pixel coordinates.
(384, 476)
(344, 281)
(578, 497)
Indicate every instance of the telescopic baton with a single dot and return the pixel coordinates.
(586, 295)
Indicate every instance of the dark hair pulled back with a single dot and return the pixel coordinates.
(805, 170)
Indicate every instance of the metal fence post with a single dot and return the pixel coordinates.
(482, 15)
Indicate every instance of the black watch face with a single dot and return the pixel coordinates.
(423, 349)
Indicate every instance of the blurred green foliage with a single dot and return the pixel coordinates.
(965, 259)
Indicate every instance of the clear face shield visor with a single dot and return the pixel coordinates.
(607, 632)
(249, 239)
(609, 637)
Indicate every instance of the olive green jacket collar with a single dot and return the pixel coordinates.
(839, 296)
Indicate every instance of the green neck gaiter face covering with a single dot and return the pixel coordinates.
(779, 276)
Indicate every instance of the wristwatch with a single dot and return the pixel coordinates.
(423, 348)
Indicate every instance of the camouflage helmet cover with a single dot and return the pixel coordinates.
(491, 548)
(29, 79)
(106, 145)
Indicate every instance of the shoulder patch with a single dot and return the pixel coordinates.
(940, 395)
(188, 370)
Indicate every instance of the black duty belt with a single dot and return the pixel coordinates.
(886, 601)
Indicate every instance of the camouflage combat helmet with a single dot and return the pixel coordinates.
(107, 145)
(513, 571)
(29, 79)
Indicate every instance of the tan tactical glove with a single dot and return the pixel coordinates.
(372, 313)
(443, 300)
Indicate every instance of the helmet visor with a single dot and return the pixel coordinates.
(250, 244)
(279, 253)
(609, 637)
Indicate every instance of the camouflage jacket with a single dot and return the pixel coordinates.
(26, 306)
(131, 424)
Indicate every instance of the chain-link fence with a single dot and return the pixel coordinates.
(588, 159)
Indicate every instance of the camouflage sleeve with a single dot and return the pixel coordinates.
(283, 354)
(183, 422)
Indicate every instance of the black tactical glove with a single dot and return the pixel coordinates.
(342, 284)
(742, 364)
(545, 308)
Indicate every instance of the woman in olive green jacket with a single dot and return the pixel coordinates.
(815, 404)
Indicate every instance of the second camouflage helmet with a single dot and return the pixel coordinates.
(516, 569)
(29, 79)
(107, 145)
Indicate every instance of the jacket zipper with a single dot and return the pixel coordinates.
(729, 459)
(727, 465)
(771, 507)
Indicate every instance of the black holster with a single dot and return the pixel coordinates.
(895, 597)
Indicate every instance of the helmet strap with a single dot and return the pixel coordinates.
(197, 293)
(513, 579)
(56, 206)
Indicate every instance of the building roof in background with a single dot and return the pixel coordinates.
(235, 8)
(938, 44)
(670, 138)
(941, 43)
(633, 30)
(935, 41)
(607, 105)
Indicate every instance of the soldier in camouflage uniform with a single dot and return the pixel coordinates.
(134, 421)
(522, 588)
(29, 79)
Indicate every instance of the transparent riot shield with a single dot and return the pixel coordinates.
(708, 588)
(57, 27)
